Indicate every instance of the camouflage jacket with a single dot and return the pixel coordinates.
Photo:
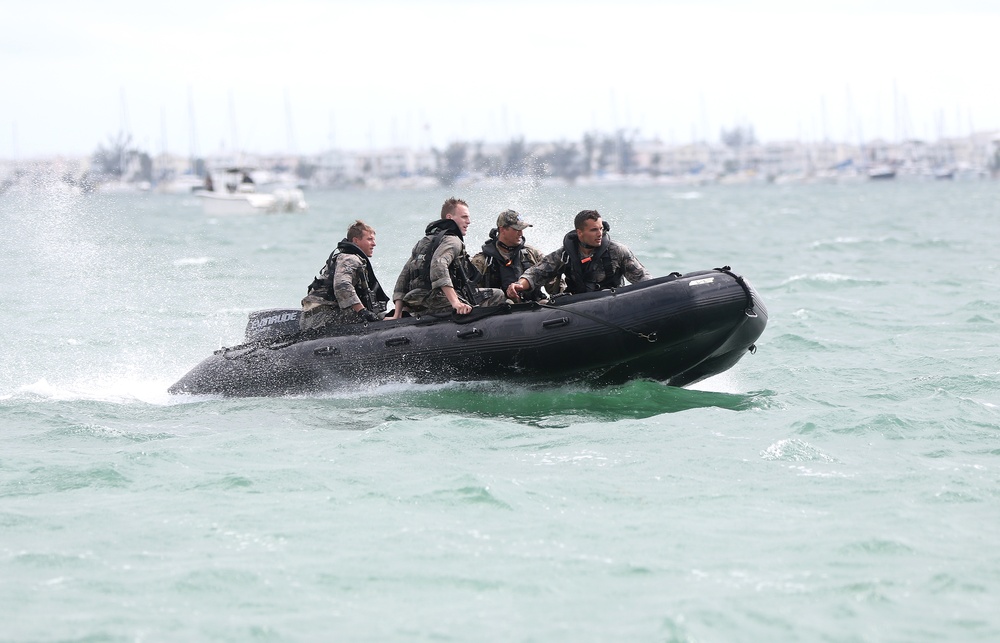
(501, 276)
(347, 278)
(433, 264)
(606, 268)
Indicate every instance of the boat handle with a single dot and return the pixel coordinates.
(327, 350)
(555, 323)
(397, 341)
(236, 352)
(472, 332)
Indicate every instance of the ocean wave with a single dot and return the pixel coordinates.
(586, 457)
(838, 241)
(111, 433)
(473, 494)
(842, 242)
(97, 389)
(828, 279)
(49, 478)
(979, 306)
(794, 450)
(933, 243)
(877, 546)
(193, 261)
(796, 343)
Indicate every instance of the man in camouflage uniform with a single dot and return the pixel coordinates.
(346, 290)
(589, 259)
(439, 277)
(505, 257)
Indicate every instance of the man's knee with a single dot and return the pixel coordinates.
(318, 316)
(491, 296)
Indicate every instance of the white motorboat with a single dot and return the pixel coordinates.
(234, 192)
(882, 172)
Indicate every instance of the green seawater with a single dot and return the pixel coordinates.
(841, 484)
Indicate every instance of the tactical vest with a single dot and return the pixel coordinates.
(579, 270)
(501, 272)
(369, 290)
(463, 273)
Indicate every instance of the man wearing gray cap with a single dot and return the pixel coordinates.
(505, 257)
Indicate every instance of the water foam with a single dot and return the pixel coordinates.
(100, 389)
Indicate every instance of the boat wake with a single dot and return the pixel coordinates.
(549, 406)
(109, 390)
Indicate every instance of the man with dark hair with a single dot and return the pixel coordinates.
(505, 256)
(346, 290)
(589, 260)
(439, 276)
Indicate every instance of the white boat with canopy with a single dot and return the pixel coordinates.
(235, 191)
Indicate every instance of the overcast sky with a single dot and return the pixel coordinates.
(300, 75)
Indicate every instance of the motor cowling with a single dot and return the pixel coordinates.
(271, 324)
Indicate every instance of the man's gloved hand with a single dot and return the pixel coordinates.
(368, 316)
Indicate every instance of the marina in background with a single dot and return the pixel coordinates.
(622, 157)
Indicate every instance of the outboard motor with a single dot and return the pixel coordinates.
(271, 324)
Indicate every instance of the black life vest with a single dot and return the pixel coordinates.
(500, 271)
(463, 273)
(369, 291)
(579, 270)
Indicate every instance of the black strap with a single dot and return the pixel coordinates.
(649, 337)
(750, 312)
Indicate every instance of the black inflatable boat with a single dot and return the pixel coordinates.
(679, 329)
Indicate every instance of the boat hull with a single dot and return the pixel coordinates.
(236, 203)
(246, 203)
(675, 329)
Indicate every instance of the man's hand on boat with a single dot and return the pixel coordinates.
(516, 287)
(365, 315)
(460, 306)
(396, 312)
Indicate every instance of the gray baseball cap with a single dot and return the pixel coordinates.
(511, 219)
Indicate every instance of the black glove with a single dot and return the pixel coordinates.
(368, 315)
